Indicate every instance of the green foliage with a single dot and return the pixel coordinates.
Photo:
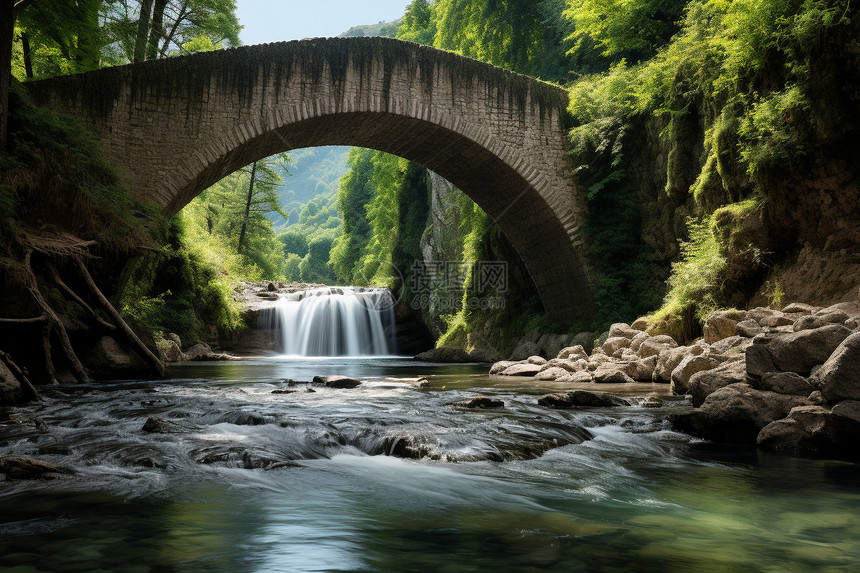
(356, 192)
(419, 23)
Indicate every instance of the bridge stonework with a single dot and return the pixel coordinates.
(174, 127)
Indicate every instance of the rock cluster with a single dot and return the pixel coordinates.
(788, 380)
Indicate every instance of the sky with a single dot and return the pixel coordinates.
(282, 20)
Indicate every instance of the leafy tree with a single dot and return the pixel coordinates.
(295, 242)
(356, 191)
(419, 23)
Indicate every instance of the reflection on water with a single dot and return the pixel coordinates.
(248, 480)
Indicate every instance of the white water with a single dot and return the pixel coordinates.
(333, 321)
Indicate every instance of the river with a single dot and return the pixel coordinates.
(247, 480)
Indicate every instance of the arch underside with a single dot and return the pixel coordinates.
(530, 224)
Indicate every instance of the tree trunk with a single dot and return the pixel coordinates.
(248, 202)
(140, 42)
(7, 33)
(157, 29)
(87, 46)
(28, 56)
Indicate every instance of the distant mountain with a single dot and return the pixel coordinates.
(387, 29)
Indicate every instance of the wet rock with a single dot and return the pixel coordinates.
(582, 399)
(522, 369)
(748, 328)
(22, 468)
(812, 430)
(500, 367)
(524, 350)
(156, 425)
(736, 414)
(721, 324)
(622, 330)
(445, 356)
(839, 378)
(656, 344)
(642, 370)
(670, 358)
(783, 383)
(689, 366)
(310, 391)
(610, 373)
(284, 391)
(338, 382)
(652, 401)
(484, 403)
(109, 358)
(573, 353)
(795, 351)
(703, 384)
(423, 383)
(201, 352)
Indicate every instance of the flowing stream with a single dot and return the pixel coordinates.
(393, 477)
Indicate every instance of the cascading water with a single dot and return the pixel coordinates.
(333, 321)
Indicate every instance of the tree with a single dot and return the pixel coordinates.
(419, 23)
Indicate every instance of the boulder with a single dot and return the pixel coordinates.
(16, 467)
(794, 351)
(748, 328)
(614, 344)
(670, 358)
(611, 374)
(552, 373)
(652, 401)
(500, 367)
(778, 319)
(642, 370)
(847, 409)
(799, 308)
(839, 377)
(582, 377)
(637, 341)
(721, 324)
(551, 344)
(170, 351)
(569, 365)
(522, 369)
(339, 382)
(573, 353)
(596, 360)
(852, 309)
(736, 413)
(808, 323)
(156, 425)
(732, 342)
(703, 384)
(175, 338)
(640, 324)
(524, 350)
(539, 360)
(582, 399)
(10, 388)
(689, 366)
(601, 339)
(110, 358)
(655, 345)
(812, 430)
(485, 355)
(483, 403)
(622, 330)
(783, 383)
(445, 356)
(584, 339)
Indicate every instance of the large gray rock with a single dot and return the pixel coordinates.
(794, 351)
(337, 382)
(522, 369)
(812, 430)
(170, 351)
(614, 344)
(736, 413)
(10, 388)
(622, 330)
(783, 383)
(642, 370)
(524, 350)
(110, 358)
(500, 367)
(552, 373)
(748, 328)
(637, 341)
(551, 344)
(689, 366)
(808, 323)
(655, 345)
(573, 353)
(485, 355)
(799, 308)
(582, 399)
(839, 377)
(445, 356)
(610, 373)
(584, 339)
(721, 324)
(670, 358)
(703, 384)
(569, 365)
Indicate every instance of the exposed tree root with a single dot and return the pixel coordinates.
(28, 387)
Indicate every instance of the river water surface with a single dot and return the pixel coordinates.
(393, 477)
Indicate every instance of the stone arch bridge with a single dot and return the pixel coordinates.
(174, 127)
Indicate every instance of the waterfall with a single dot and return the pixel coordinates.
(333, 321)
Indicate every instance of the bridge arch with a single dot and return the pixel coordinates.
(174, 127)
